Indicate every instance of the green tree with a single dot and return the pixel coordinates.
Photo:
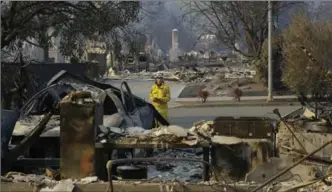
(105, 20)
(76, 23)
(23, 19)
(277, 60)
(302, 74)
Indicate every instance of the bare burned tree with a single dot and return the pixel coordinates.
(237, 21)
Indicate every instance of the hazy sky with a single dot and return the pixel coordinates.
(169, 16)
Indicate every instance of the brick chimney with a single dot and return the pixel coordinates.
(175, 38)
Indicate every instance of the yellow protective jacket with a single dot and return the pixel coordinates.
(162, 93)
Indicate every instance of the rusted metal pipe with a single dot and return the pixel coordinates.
(116, 161)
(78, 121)
(290, 167)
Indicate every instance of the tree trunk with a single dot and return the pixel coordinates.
(46, 54)
(112, 59)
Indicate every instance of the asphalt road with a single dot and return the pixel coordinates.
(185, 117)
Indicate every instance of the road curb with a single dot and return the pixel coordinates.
(235, 104)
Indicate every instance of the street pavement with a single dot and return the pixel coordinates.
(244, 98)
(142, 88)
(185, 117)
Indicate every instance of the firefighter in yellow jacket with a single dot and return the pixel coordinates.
(160, 95)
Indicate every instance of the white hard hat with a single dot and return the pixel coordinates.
(158, 75)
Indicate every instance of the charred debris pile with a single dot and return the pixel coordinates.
(216, 80)
(78, 133)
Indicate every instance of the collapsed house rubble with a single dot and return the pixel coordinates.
(202, 132)
(304, 162)
(190, 74)
(184, 74)
(106, 134)
(216, 81)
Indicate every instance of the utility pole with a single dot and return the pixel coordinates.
(270, 71)
(191, 22)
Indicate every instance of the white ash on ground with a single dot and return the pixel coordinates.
(200, 133)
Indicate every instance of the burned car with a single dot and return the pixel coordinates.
(118, 105)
